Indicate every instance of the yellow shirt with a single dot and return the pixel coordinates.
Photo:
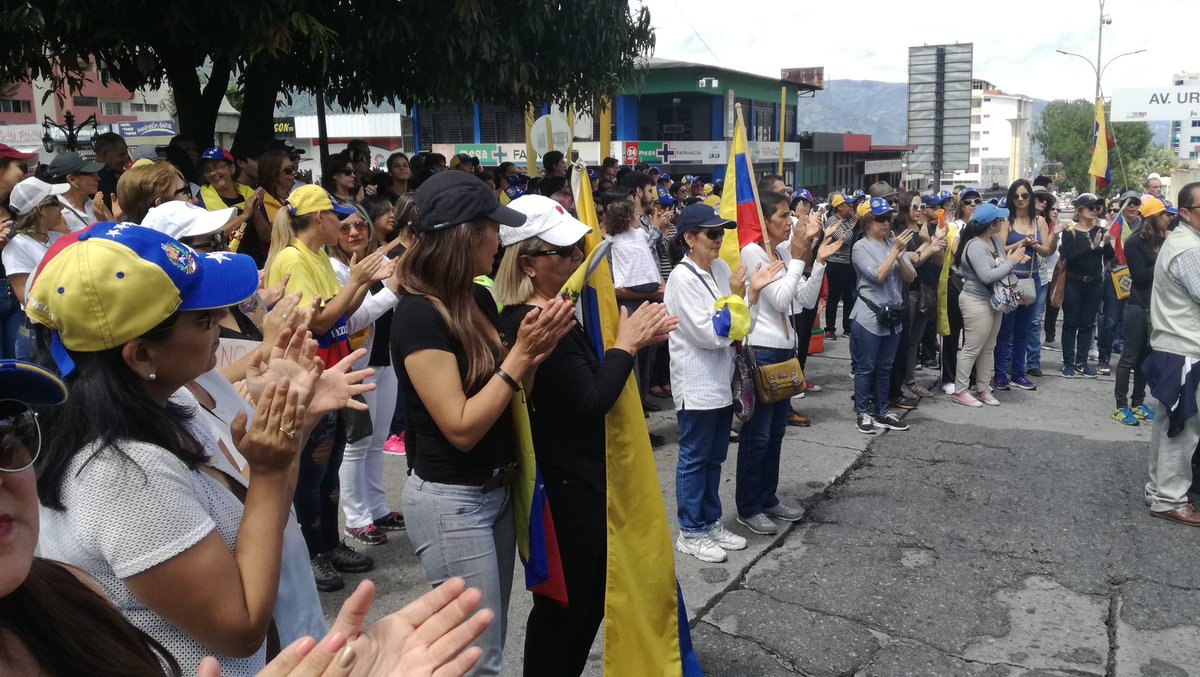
(312, 274)
(943, 316)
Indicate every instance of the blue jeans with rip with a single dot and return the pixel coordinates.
(761, 441)
(703, 446)
(458, 530)
(873, 359)
(1033, 347)
(1012, 342)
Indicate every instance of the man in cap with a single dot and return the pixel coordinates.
(1173, 367)
(462, 162)
(839, 273)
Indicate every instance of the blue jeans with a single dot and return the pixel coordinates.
(1033, 347)
(1012, 341)
(11, 320)
(758, 450)
(873, 358)
(703, 446)
(461, 531)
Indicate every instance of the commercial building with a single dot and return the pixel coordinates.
(1185, 134)
(1001, 143)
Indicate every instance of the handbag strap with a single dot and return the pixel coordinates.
(703, 281)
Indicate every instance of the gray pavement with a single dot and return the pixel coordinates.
(995, 541)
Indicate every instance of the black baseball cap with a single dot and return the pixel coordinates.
(68, 163)
(698, 216)
(453, 198)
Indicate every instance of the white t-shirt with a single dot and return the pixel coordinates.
(23, 254)
(130, 511)
(75, 219)
(633, 261)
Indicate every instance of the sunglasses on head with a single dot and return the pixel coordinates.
(20, 436)
(564, 252)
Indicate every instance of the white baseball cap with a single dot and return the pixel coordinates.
(544, 218)
(180, 219)
(31, 192)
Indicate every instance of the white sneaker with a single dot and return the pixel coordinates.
(948, 388)
(701, 547)
(726, 538)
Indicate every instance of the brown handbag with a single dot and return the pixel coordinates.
(779, 381)
(1059, 283)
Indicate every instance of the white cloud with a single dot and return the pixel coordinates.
(1015, 42)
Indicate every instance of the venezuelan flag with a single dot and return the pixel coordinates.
(537, 543)
(645, 621)
(739, 199)
(1100, 164)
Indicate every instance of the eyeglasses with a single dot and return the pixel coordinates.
(972, 201)
(206, 320)
(565, 252)
(20, 436)
(1021, 196)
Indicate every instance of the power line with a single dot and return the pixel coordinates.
(694, 31)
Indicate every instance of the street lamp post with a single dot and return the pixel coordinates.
(69, 130)
(1105, 20)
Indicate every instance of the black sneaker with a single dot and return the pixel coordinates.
(348, 560)
(1034, 372)
(393, 521)
(368, 535)
(865, 424)
(906, 403)
(657, 440)
(328, 579)
(890, 422)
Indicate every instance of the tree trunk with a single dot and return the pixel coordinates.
(260, 88)
(195, 107)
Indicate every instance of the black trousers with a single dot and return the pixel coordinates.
(803, 324)
(843, 284)
(896, 379)
(1137, 349)
(950, 343)
(558, 639)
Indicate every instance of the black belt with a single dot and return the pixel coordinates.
(487, 483)
(1081, 278)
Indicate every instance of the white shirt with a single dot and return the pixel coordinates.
(701, 361)
(368, 311)
(23, 254)
(75, 219)
(633, 261)
(781, 299)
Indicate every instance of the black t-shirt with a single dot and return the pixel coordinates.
(430, 454)
(571, 396)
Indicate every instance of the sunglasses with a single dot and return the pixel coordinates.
(714, 234)
(183, 192)
(882, 218)
(920, 206)
(345, 227)
(1044, 198)
(976, 201)
(288, 170)
(345, 171)
(565, 252)
(20, 436)
(1021, 196)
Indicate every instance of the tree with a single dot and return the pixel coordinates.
(1065, 133)
(1157, 160)
(569, 52)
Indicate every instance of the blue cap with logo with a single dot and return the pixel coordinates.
(802, 194)
(664, 197)
(880, 206)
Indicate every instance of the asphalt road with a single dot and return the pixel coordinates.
(995, 541)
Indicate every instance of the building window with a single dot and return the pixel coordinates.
(1178, 82)
(1196, 123)
(986, 132)
(135, 107)
(1192, 155)
(84, 101)
(985, 149)
(972, 169)
(974, 136)
(1195, 139)
(110, 107)
(15, 106)
(975, 119)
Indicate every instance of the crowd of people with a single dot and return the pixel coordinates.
(398, 310)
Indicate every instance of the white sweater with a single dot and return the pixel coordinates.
(787, 295)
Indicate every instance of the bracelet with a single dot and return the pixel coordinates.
(508, 379)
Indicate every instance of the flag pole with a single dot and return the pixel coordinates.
(530, 153)
(782, 118)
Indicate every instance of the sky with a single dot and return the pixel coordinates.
(1014, 42)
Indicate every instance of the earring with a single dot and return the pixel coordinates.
(152, 377)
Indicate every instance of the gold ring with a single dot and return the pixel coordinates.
(291, 434)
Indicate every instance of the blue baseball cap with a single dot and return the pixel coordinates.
(857, 195)
(1002, 202)
(801, 194)
(30, 383)
(513, 193)
(698, 216)
(664, 197)
(967, 192)
(591, 173)
(1172, 210)
(931, 200)
(664, 177)
(987, 213)
(880, 206)
(517, 179)
(216, 153)
(945, 195)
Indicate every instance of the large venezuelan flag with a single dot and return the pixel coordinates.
(1102, 141)
(739, 199)
(645, 623)
(537, 543)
